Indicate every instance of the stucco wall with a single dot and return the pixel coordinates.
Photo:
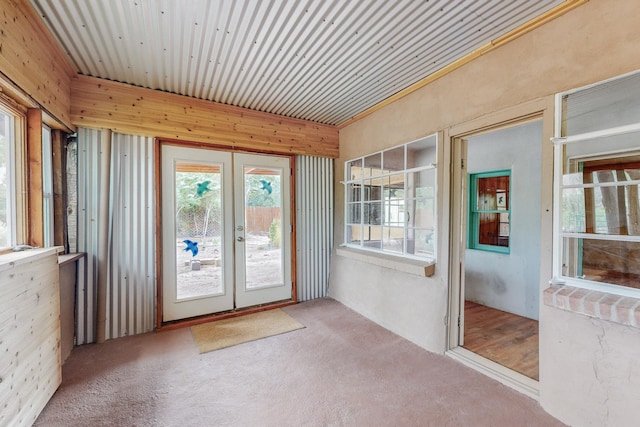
(596, 41)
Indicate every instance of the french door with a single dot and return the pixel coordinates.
(226, 231)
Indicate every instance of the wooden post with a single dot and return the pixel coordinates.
(59, 168)
(35, 219)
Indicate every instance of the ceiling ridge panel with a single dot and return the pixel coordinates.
(400, 84)
(343, 85)
(316, 87)
(238, 46)
(286, 54)
(320, 60)
(247, 61)
(306, 59)
(273, 36)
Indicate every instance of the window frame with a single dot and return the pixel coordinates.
(386, 204)
(561, 160)
(15, 175)
(47, 187)
(473, 230)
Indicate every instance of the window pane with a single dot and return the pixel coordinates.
(47, 187)
(573, 218)
(372, 213)
(5, 180)
(354, 170)
(491, 229)
(420, 242)
(393, 159)
(373, 165)
(577, 152)
(611, 104)
(421, 213)
(353, 213)
(421, 184)
(354, 192)
(393, 239)
(603, 261)
(394, 200)
(354, 234)
(373, 189)
(493, 193)
(601, 210)
(422, 152)
(373, 237)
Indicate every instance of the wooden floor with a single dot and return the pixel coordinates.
(502, 337)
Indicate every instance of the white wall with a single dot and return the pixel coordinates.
(411, 306)
(590, 374)
(510, 282)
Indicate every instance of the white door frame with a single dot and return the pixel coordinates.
(244, 296)
(456, 136)
(172, 307)
(234, 295)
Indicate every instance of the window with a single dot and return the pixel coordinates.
(598, 181)
(390, 200)
(47, 187)
(7, 181)
(489, 211)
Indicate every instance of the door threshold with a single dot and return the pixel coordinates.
(506, 376)
(192, 321)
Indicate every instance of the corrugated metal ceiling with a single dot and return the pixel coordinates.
(319, 60)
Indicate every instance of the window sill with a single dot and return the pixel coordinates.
(417, 267)
(601, 305)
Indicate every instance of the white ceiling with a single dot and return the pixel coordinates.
(319, 60)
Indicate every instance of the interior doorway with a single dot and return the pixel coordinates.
(498, 224)
(226, 231)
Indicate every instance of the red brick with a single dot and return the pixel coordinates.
(591, 303)
(562, 297)
(623, 310)
(576, 300)
(605, 306)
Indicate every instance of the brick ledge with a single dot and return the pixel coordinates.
(601, 305)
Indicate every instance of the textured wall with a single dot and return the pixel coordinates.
(595, 41)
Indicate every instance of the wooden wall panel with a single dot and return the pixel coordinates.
(33, 62)
(30, 365)
(99, 103)
(35, 208)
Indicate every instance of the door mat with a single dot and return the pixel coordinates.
(237, 330)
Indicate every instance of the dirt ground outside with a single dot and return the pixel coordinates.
(263, 267)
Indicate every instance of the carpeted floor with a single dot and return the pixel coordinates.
(341, 370)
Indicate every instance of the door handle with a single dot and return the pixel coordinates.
(240, 239)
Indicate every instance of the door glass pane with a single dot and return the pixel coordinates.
(263, 231)
(198, 213)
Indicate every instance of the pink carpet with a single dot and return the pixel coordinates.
(341, 370)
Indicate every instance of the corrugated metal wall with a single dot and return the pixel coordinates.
(88, 152)
(130, 254)
(130, 291)
(314, 225)
(132, 246)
